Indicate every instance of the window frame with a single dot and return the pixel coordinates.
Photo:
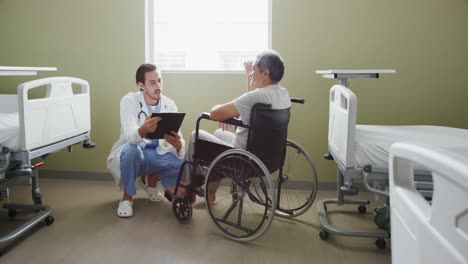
(150, 52)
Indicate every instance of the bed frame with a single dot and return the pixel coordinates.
(341, 148)
(56, 121)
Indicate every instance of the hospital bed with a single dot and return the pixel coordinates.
(424, 232)
(31, 128)
(362, 152)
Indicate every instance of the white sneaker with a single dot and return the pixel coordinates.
(125, 208)
(153, 193)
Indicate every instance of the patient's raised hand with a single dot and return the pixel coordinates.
(248, 66)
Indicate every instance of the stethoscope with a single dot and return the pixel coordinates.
(142, 112)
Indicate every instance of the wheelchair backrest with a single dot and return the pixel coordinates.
(268, 132)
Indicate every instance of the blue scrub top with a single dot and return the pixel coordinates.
(154, 143)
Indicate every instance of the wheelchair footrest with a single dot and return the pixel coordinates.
(197, 191)
(168, 195)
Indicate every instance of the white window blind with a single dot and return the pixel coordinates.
(206, 35)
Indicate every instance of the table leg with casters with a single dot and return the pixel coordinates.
(327, 228)
(44, 213)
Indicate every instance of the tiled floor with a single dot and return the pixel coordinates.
(87, 230)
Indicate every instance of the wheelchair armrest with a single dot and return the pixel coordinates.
(235, 122)
(231, 121)
(298, 100)
(205, 115)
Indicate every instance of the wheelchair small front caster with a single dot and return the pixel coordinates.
(323, 235)
(49, 220)
(362, 209)
(380, 243)
(11, 213)
(182, 209)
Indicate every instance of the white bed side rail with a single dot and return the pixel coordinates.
(59, 115)
(8, 103)
(342, 125)
(423, 232)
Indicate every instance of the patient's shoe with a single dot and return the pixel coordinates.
(125, 208)
(153, 193)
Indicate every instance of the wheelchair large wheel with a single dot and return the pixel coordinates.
(245, 195)
(297, 184)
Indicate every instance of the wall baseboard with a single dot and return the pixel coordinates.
(104, 176)
(75, 175)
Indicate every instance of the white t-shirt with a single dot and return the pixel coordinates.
(273, 94)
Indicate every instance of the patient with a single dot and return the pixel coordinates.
(264, 75)
(133, 156)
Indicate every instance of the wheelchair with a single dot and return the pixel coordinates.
(273, 176)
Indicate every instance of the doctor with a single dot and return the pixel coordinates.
(132, 155)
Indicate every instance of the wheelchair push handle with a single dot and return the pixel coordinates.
(298, 100)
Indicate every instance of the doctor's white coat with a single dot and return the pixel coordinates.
(130, 107)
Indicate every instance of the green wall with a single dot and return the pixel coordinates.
(103, 42)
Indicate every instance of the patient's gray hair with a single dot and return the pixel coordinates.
(272, 61)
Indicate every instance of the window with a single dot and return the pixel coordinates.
(206, 35)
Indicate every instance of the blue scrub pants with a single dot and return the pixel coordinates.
(136, 161)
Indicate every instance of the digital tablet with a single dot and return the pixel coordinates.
(169, 122)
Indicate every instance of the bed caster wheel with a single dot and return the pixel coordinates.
(11, 213)
(382, 217)
(49, 220)
(182, 209)
(362, 209)
(323, 235)
(381, 221)
(380, 243)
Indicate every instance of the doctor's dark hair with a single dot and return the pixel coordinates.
(272, 61)
(144, 68)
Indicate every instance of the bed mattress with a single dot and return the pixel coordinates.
(9, 131)
(373, 142)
